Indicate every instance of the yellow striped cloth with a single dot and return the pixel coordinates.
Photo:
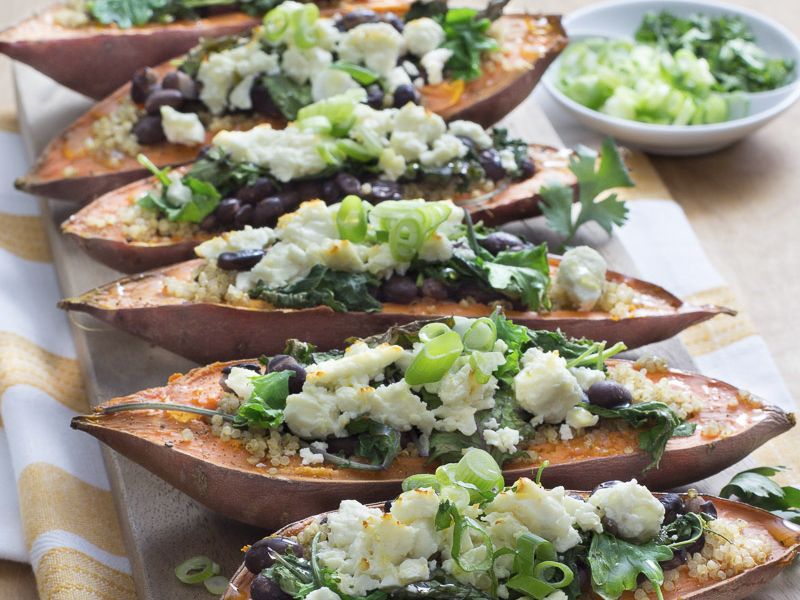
(54, 480)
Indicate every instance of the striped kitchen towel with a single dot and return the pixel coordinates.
(55, 501)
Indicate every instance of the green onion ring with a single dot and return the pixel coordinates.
(435, 359)
(431, 331)
(216, 585)
(351, 220)
(481, 335)
(303, 21)
(566, 573)
(405, 238)
(195, 570)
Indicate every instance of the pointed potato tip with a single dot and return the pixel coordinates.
(724, 310)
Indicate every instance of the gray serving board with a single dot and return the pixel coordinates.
(162, 526)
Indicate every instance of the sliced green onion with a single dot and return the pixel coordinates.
(351, 220)
(542, 571)
(303, 21)
(480, 371)
(405, 238)
(432, 330)
(481, 335)
(339, 110)
(421, 480)
(160, 174)
(276, 23)
(362, 75)
(530, 586)
(435, 359)
(317, 124)
(355, 150)
(216, 585)
(330, 154)
(195, 570)
(480, 469)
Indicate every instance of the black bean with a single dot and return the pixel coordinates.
(474, 290)
(289, 199)
(357, 17)
(142, 83)
(243, 216)
(208, 223)
(610, 526)
(243, 260)
(349, 184)
(679, 557)
(258, 557)
(673, 506)
(249, 366)
(433, 288)
(261, 188)
(375, 96)
(399, 289)
(609, 394)
(527, 168)
(267, 211)
(384, 190)
(331, 192)
(262, 101)
(178, 80)
(395, 21)
(148, 130)
(284, 362)
(697, 545)
(404, 94)
(387, 506)
(159, 98)
(308, 190)
(700, 505)
(497, 241)
(606, 484)
(491, 163)
(468, 142)
(227, 209)
(264, 588)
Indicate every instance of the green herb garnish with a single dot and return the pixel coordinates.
(755, 487)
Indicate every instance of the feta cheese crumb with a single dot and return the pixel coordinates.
(434, 62)
(504, 439)
(474, 132)
(325, 593)
(310, 457)
(376, 45)
(636, 513)
(423, 35)
(240, 382)
(182, 128)
(545, 387)
(580, 278)
(580, 418)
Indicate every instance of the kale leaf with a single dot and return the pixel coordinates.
(264, 408)
(755, 487)
(339, 290)
(593, 178)
(288, 95)
(656, 422)
(377, 442)
(616, 564)
(126, 13)
(402, 335)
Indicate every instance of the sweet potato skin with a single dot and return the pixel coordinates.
(786, 547)
(96, 60)
(139, 305)
(207, 468)
(91, 177)
(108, 244)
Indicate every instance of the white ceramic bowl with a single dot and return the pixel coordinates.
(620, 19)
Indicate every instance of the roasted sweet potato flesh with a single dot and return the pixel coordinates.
(139, 305)
(69, 170)
(99, 229)
(207, 468)
(784, 541)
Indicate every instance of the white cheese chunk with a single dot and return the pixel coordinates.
(462, 396)
(177, 192)
(445, 149)
(309, 457)
(504, 439)
(545, 387)
(581, 277)
(360, 361)
(375, 45)
(580, 418)
(473, 131)
(325, 593)
(182, 128)
(240, 382)
(392, 164)
(248, 238)
(587, 377)
(300, 65)
(434, 62)
(636, 513)
(423, 35)
(331, 82)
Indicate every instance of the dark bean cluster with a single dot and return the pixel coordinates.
(360, 16)
(262, 555)
(176, 89)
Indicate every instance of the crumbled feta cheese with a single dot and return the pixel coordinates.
(472, 131)
(557, 595)
(581, 277)
(491, 423)
(316, 412)
(636, 513)
(300, 65)
(178, 193)
(396, 406)
(392, 164)
(182, 128)
(416, 119)
(310, 457)
(327, 34)
(437, 248)
(434, 62)
(462, 396)
(325, 593)
(587, 377)
(397, 77)
(580, 418)
(224, 70)
(565, 432)
(445, 149)
(239, 381)
(249, 238)
(358, 361)
(288, 153)
(331, 82)
(423, 35)
(504, 439)
(508, 160)
(545, 387)
(407, 145)
(376, 45)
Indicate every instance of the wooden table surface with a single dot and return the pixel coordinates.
(741, 201)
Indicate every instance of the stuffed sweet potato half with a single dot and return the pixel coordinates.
(327, 270)
(322, 426)
(456, 63)
(461, 534)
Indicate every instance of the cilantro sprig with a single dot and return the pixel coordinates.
(594, 177)
(204, 196)
(757, 488)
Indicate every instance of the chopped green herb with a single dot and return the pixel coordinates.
(757, 488)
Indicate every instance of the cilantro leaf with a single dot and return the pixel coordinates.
(264, 408)
(615, 565)
(125, 13)
(465, 35)
(755, 487)
(377, 442)
(594, 177)
(521, 274)
(515, 337)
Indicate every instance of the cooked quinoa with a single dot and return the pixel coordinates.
(667, 390)
(112, 135)
(618, 299)
(72, 14)
(146, 225)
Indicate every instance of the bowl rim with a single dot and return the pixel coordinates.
(793, 95)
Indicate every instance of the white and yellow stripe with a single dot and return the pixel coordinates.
(52, 478)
